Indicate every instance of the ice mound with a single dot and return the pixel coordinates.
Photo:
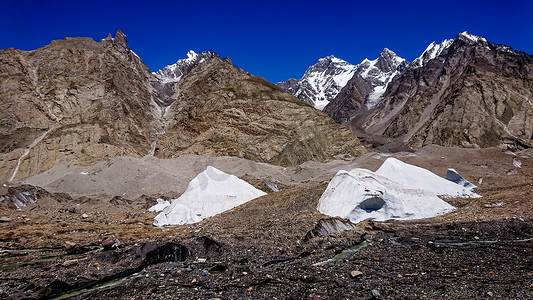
(414, 177)
(209, 193)
(362, 194)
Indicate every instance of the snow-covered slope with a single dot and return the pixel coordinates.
(174, 72)
(321, 82)
(414, 177)
(362, 194)
(472, 38)
(433, 50)
(209, 193)
(161, 205)
(379, 72)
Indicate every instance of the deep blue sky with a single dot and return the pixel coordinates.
(273, 39)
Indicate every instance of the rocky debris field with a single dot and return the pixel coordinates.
(104, 247)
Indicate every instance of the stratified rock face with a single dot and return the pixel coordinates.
(321, 82)
(81, 101)
(367, 86)
(473, 94)
(221, 110)
(74, 100)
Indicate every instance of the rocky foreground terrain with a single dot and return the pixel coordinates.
(104, 246)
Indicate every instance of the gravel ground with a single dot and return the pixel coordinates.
(259, 250)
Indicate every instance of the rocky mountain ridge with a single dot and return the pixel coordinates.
(72, 100)
(467, 92)
(81, 101)
(222, 110)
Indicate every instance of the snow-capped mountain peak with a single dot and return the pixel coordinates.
(392, 56)
(379, 72)
(191, 55)
(321, 82)
(470, 37)
(432, 51)
(173, 73)
(332, 59)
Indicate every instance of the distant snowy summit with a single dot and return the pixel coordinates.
(323, 81)
(378, 73)
(174, 72)
(434, 50)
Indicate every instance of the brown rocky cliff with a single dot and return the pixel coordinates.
(222, 110)
(475, 94)
(74, 100)
(80, 101)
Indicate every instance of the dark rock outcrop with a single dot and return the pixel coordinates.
(17, 197)
(168, 252)
(349, 100)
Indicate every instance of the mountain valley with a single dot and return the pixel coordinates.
(92, 140)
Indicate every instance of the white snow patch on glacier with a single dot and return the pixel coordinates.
(396, 190)
(419, 178)
(362, 194)
(161, 205)
(211, 192)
